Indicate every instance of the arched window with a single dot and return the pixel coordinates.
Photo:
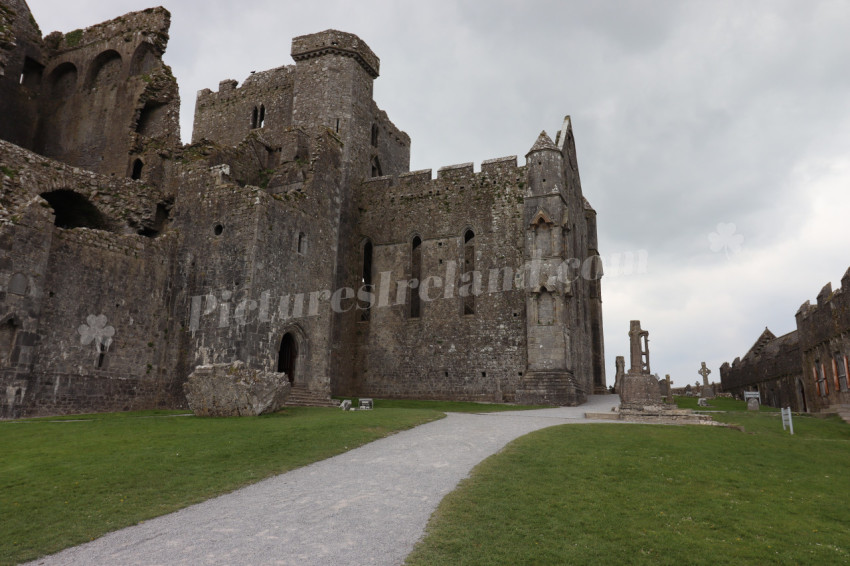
(415, 273)
(542, 239)
(255, 117)
(261, 121)
(366, 280)
(469, 271)
(138, 165)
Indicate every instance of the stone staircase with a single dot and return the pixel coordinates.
(549, 388)
(842, 411)
(300, 396)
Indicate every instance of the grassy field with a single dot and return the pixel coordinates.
(649, 494)
(719, 404)
(68, 480)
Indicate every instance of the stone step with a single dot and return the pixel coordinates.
(303, 397)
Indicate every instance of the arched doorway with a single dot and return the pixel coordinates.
(802, 396)
(288, 356)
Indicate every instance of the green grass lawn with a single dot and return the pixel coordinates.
(448, 406)
(719, 404)
(64, 483)
(650, 494)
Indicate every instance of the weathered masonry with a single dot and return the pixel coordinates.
(806, 369)
(289, 235)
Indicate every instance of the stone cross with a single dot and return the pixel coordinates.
(704, 371)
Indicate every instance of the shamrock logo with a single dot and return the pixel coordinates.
(725, 239)
(96, 331)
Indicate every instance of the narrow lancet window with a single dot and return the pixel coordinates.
(469, 271)
(366, 282)
(415, 274)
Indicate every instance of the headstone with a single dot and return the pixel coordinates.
(365, 404)
(702, 402)
(752, 404)
(345, 405)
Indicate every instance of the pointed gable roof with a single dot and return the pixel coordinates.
(766, 337)
(543, 142)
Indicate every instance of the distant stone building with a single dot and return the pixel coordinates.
(805, 369)
(290, 235)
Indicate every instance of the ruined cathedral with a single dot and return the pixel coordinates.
(289, 235)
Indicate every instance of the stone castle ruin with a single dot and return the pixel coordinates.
(289, 236)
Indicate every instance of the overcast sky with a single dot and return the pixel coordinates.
(713, 135)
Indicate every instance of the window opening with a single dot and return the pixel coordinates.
(302, 243)
(366, 280)
(469, 271)
(262, 120)
(841, 372)
(415, 273)
(254, 117)
(137, 169)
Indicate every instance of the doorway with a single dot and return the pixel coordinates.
(802, 396)
(288, 356)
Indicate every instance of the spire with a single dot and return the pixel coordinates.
(543, 142)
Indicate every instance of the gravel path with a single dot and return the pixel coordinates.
(367, 506)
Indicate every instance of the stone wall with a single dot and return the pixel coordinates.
(824, 330)
(806, 369)
(442, 353)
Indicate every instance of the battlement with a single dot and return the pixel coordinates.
(457, 172)
(335, 42)
(150, 25)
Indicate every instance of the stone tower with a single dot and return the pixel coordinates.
(551, 364)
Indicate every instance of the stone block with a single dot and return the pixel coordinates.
(229, 390)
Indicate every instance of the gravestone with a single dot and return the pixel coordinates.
(365, 404)
(752, 398)
(345, 405)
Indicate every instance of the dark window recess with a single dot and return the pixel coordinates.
(469, 268)
(415, 273)
(150, 119)
(262, 119)
(138, 165)
(31, 75)
(376, 167)
(302, 243)
(218, 229)
(366, 280)
(255, 117)
(374, 135)
(73, 210)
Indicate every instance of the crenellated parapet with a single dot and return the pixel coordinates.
(333, 42)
